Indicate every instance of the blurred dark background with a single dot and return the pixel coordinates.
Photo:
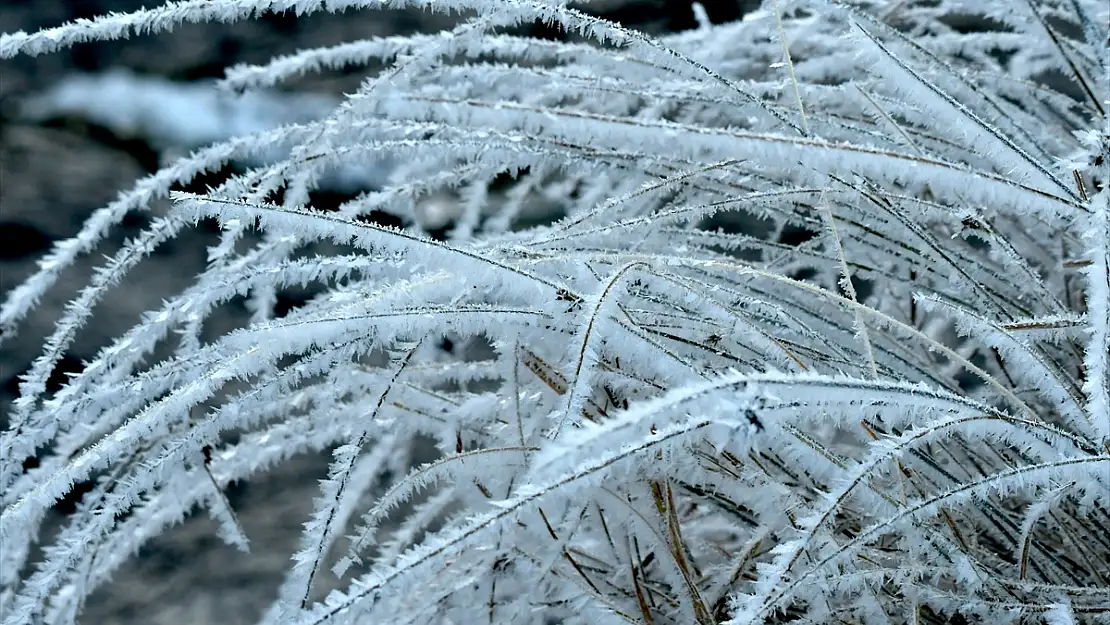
(57, 169)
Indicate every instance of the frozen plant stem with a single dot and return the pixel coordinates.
(790, 68)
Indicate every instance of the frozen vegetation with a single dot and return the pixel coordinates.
(815, 331)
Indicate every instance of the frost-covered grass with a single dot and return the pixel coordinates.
(884, 399)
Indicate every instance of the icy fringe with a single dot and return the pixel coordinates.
(883, 399)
